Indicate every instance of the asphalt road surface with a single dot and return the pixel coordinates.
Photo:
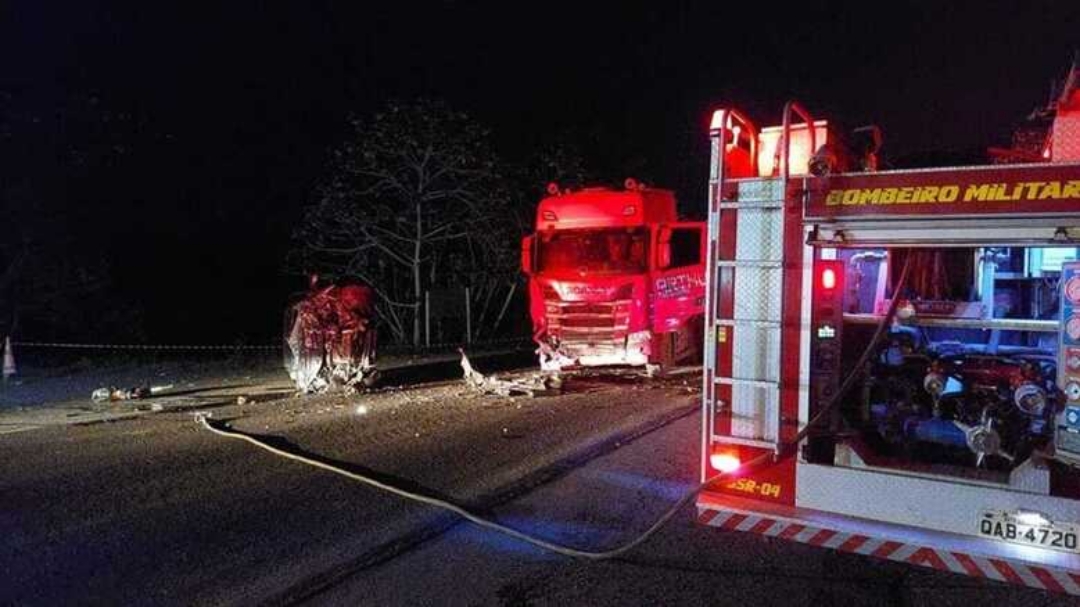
(155, 510)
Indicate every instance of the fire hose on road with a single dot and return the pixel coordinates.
(787, 451)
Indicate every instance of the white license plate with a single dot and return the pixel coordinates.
(1021, 529)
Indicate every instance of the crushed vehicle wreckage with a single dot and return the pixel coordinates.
(330, 338)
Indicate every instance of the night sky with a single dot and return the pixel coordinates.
(239, 103)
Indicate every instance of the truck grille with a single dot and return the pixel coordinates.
(588, 323)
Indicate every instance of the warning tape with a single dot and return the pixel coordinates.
(75, 346)
(459, 344)
(222, 347)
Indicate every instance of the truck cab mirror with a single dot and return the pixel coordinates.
(663, 248)
(527, 261)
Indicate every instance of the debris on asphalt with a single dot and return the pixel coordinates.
(508, 434)
(113, 394)
(489, 384)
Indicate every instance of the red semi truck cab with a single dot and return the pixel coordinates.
(614, 279)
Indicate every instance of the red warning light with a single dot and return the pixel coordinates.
(828, 279)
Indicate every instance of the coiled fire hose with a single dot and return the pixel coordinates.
(787, 451)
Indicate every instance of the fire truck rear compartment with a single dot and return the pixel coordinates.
(966, 383)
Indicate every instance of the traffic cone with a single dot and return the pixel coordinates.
(9, 359)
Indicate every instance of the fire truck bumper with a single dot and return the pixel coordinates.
(1041, 568)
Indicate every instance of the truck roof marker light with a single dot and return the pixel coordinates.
(724, 462)
(550, 216)
(828, 279)
(629, 210)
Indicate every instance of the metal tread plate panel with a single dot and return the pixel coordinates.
(748, 263)
(751, 323)
(755, 411)
(768, 204)
(740, 381)
(760, 235)
(756, 311)
(768, 190)
(1066, 137)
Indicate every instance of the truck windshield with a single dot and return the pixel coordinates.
(600, 251)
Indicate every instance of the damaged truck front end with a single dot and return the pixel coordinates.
(589, 325)
(614, 280)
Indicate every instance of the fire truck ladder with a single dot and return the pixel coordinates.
(744, 287)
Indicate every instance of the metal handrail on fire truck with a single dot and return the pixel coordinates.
(796, 107)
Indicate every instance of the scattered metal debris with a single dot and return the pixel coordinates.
(113, 394)
(538, 384)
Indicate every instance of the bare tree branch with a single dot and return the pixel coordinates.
(415, 188)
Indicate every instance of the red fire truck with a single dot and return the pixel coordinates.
(614, 279)
(892, 359)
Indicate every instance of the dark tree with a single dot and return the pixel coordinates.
(60, 167)
(414, 199)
